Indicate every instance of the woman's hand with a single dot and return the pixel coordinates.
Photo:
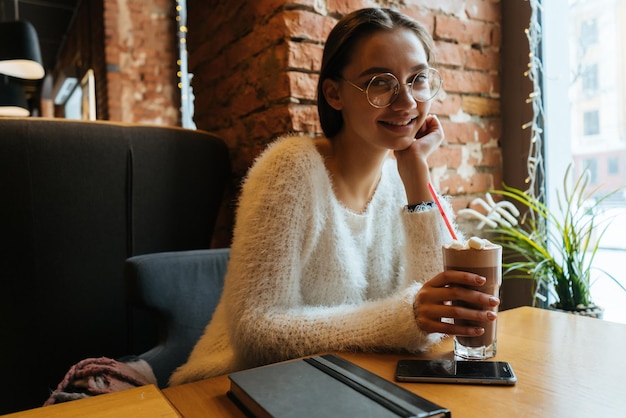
(433, 303)
(427, 140)
(412, 161)
(429, 136)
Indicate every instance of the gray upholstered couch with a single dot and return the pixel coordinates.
(181, 289)
(78, 199)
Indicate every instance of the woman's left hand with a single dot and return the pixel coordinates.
(432, 303)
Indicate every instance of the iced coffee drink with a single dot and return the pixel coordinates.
(484, 258)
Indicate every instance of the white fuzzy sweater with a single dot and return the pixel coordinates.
(306, 275)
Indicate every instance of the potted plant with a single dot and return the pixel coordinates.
(553, 246)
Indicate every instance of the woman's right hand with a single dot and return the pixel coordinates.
(412, 161)
(433, 303)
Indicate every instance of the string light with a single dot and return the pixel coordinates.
(535, 163)
(184, 77)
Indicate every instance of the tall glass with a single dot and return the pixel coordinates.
(486, 262)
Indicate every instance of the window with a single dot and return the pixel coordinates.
(613, 166)
(591, 123)
(78, 99)
(590, 79)
(584, 71)
(588, 32)
(72, 106)
(592, 165)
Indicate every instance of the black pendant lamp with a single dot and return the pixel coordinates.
(20, 55)
(12, 98)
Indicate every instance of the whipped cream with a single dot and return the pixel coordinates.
(474, 243)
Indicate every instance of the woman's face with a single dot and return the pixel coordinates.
(401, 53)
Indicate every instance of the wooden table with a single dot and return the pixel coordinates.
(141, 402)
(566, 365)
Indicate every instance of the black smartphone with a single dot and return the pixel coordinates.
(456, 371)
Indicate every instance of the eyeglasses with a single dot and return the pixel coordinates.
(383, 89)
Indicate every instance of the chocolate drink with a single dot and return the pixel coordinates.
(486, 262)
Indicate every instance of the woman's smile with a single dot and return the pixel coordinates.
(398, 125)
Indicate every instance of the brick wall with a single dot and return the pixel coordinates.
(255, 73)
(132, 47)
(141, 54)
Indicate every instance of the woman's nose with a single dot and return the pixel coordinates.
(405, 98)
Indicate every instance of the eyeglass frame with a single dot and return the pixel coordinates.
(397, 92)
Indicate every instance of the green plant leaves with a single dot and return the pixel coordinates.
(555, 247)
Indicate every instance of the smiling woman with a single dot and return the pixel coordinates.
(326, 253)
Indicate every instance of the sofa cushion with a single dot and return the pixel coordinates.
(78, 198)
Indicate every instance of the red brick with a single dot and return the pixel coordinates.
(456, 184)
(450, 54)
(482, 60)
(425, 17)
(463, 133)
(483, 10)
(268, 7)
(446, 104)
(465, 81)
(463, 31)
(482, 106)
(313, 4)
(459, 202)
(304, 56)
(241, 52)
(493, 126)
(302, 85)
(454, 7)
(244, 101)
(343, 7)
(264, 126)
(304, 118)
(492, 156)
(302, 24)
(446, 156)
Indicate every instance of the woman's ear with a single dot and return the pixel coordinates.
(330, 88)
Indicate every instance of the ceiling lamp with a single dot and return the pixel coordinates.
(20, 55)
(12, 98)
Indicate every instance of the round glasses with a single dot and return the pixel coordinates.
(383, 89)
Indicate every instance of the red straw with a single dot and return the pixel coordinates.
(443, 214)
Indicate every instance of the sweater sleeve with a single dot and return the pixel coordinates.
(426, 233)
(268, 319)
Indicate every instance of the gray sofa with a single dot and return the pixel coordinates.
(78, 199)
(181, 289)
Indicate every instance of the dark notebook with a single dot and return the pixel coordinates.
(324, 386)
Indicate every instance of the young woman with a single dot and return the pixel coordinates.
(337, 246)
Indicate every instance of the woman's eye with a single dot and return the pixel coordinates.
(379, 83)
(421, 78)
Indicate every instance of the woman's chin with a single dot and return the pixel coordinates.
(403, 143)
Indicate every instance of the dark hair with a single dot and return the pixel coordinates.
(340, 43)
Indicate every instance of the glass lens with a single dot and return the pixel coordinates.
(382, 89)
(426, 85)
